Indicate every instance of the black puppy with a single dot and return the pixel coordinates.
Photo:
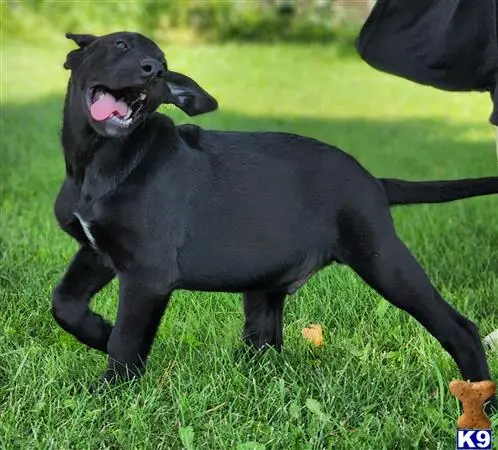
(164, 207)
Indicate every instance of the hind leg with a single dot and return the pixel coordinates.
(384, 262)
(263, 312)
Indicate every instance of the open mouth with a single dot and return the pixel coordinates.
(120, 107)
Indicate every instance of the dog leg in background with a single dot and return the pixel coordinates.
(142, 302)
(263, 324)
(85, 276)
(388, 267)
(491, 340)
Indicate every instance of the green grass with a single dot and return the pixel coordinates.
(380, 381)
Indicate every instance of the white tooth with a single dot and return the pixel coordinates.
(143, 96)
(128, 114)
(124, 122)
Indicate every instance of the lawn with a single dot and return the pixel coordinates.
(380, 381)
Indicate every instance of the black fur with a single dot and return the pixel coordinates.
(172, 207)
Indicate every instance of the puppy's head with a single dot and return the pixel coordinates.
(121, 78)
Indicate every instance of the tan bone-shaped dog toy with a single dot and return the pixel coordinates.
(473, 395)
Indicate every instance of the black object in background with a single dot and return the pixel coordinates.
(448, 44)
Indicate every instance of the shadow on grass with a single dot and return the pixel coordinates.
(427, 148)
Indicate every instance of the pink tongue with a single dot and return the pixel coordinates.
(106, 106)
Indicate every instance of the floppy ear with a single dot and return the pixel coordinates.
(82, 40)
(187, 95)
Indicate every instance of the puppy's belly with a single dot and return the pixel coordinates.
(239, 272)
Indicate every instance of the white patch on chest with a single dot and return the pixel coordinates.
(86, 229)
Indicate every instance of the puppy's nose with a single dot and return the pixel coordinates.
(152, 68)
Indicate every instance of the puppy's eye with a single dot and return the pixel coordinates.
(121, 45)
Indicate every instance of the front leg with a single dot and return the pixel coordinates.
(142, 301)
(85, 276)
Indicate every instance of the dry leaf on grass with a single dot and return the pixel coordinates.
(313, 334)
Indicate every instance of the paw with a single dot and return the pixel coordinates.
(97, 337)
(118, 372)
(259, 342)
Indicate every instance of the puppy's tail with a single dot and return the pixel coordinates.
(401, 192)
